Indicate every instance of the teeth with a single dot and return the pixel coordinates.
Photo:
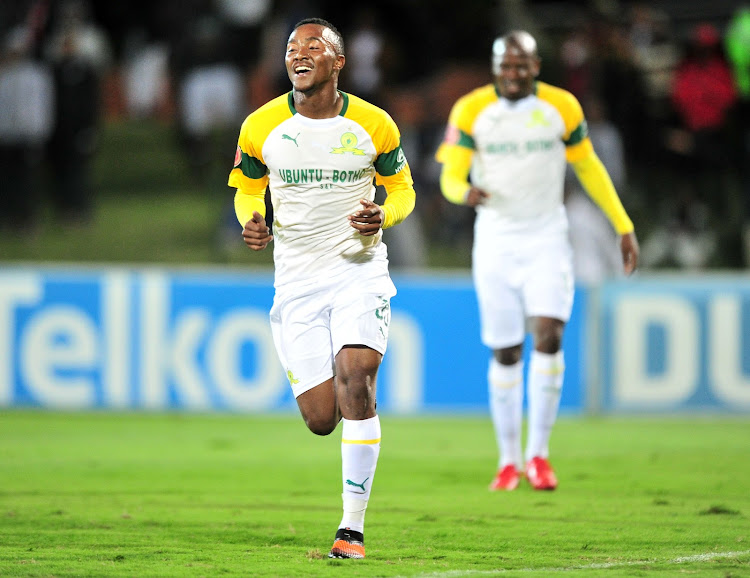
(303, 69)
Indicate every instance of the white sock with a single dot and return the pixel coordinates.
(506, 404)
(546, 372)
(360, 447)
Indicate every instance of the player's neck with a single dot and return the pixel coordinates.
(325, 102)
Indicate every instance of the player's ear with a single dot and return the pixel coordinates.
(537, 66)
(340, 61)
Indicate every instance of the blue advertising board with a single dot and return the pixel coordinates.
(200, 340)
(453, 361)
(675, 344)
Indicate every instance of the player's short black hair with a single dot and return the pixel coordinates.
(339, 43)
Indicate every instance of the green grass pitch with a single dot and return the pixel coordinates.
(112, 494)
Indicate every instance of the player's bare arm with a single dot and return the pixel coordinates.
(476, 197)
(256, 233)
(369, 220)
(630, 251)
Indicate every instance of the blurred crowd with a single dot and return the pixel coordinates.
(667, 102)
(50, 79)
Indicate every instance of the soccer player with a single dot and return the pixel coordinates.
(318, 150)
(505, 153)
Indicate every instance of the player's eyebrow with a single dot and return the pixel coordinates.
(308, 39)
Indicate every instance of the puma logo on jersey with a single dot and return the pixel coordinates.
(294, 140)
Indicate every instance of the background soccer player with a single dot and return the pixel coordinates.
(505, 153)
(318, 150)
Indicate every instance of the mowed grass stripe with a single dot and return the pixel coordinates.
(112, 494)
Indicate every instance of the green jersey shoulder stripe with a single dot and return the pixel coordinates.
(251, 167)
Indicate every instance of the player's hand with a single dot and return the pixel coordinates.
(630, 251)
(369, 220)
(476, 197)
(256, 233)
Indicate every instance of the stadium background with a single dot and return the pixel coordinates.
(144, 298)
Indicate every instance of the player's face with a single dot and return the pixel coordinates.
(515, 72)
(311, 58)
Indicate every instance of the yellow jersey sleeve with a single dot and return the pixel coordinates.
(249, 174)
(579, 152)
(391, 167)
(596, 181)
(456, 152)
(245, 204)
(401, 197)
(576, 135)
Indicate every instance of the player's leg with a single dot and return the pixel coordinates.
(356, 375)
(503, 330)
(548, 293)
(546, 373)
(505, 379)
(359, 324)
(302, 336)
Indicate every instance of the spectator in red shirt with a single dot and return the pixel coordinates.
(704, 101)
(703, 92)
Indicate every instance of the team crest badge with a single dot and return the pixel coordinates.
(348, 145)
(537, 119)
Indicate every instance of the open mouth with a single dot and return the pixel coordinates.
(513, 88)
(302, 70)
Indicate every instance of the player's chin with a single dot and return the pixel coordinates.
(515, 91)
(301, 84)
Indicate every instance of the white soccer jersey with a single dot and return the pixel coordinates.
(519, 155)
(317, 171)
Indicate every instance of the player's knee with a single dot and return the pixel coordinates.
(319, 425)
(356, 395)
(548, 335)
(549, 341)
(508, 355)
(356, 378)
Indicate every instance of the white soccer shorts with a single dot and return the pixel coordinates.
(521, 279)
(311, 326)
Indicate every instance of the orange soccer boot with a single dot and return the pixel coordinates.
(348, 544)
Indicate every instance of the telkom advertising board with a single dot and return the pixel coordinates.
(159, 339)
